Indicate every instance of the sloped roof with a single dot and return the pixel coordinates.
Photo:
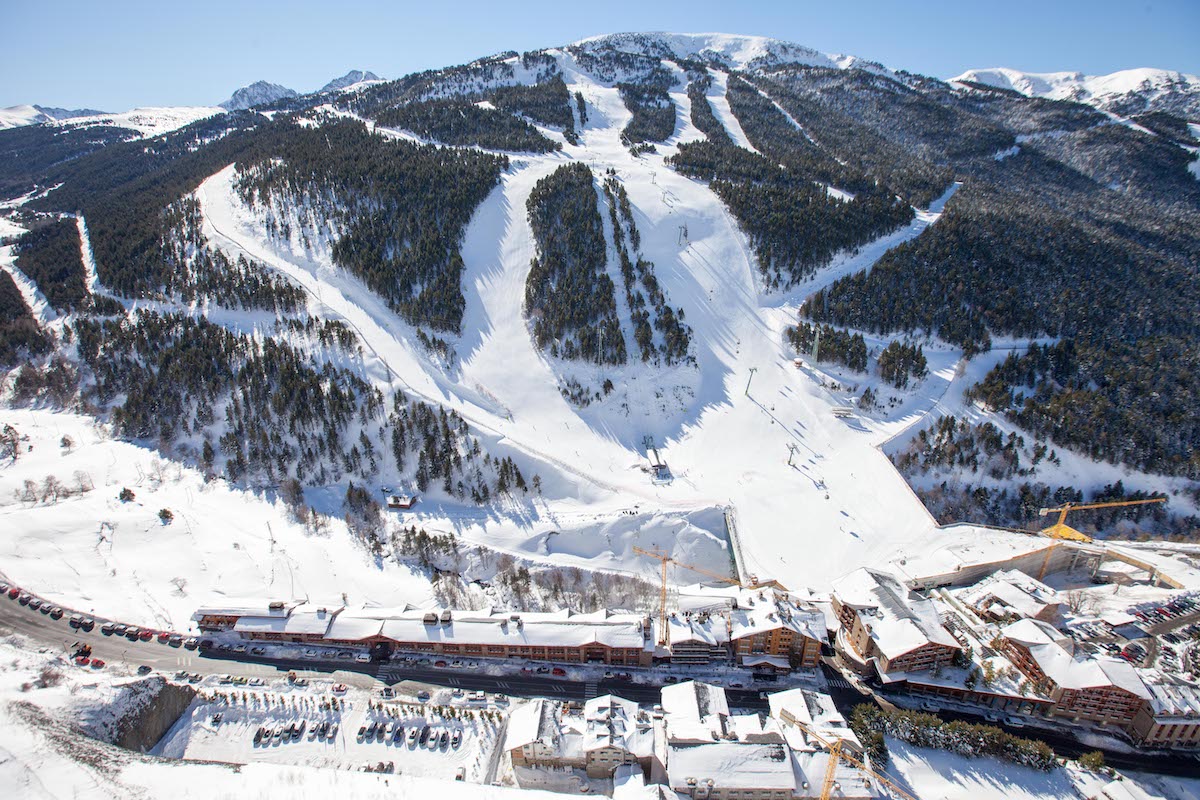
(695, 711)
(532, 722)
(898, 619)
(1049, 648)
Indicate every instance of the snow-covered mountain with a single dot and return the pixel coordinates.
(351, 79)
(732, 51)
(1130, 91)
(257, 94)
(18, 116)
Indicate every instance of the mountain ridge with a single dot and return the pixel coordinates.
(1129, 91)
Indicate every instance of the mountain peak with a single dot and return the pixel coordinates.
(351, 78)
(257, 94)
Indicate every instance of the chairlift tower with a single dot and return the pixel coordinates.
(683, 235)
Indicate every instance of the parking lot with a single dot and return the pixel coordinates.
(338, 727)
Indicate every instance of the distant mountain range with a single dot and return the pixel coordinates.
(16, 116)
(1128, 92)
(257, 93)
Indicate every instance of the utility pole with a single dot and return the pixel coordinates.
(752, 371)
(791, 452)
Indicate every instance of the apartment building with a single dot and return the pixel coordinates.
(887, 627)
(1102, 690)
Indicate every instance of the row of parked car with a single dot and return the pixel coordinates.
(418, 735)
(88, 624)
(1178, 607)
(325, 730)
(135, 634)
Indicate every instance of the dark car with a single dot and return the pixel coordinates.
(143, 670)
(424, 737)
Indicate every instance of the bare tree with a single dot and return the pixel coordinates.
(53, 489)
(67, 443)
(1081, 603)
(83, 481)
(29, 492)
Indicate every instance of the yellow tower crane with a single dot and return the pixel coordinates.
(664, 636)
(1061, 530)
(838, 753)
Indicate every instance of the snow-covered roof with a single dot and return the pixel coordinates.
(804, 710)
(349, 628)
(751, 611)
(702, 628)
(612, 721)
(778, 662)
(730, 765)
(307, 619)
(1013, 591)
(695, 712)
(535, 721)
(1049, 648)
(897, 619)
(755, 729)
(251, 607)
(1174, 701)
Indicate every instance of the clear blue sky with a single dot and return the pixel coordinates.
(116, 55)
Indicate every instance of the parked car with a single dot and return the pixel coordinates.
(175, 640)
(443, 740)
(143, 670)
(88, 624)
(75, 621)
(439, 663)
(14, 592)
(258, 651)
(163, 637)
(241, 648)
(424, 737)
(97, 663)
(337, 688)
(108, 628)
(412, 736)
(363, 658)
(56, 613)
(1014, 722)
(83, 661)
(35, 603)
(191, 644)
(991, 716)
(24, 599)
(558, 671)
(456, 739)
(929, 705)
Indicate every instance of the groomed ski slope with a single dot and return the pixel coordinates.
(840, 505)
